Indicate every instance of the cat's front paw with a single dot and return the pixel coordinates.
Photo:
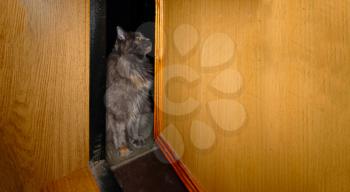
(124, 151)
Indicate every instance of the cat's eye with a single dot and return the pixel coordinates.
(138, 38)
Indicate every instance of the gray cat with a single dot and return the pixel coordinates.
(129, 80)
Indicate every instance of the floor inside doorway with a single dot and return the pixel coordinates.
(148, 173)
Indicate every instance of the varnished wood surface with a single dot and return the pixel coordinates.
(79, 181)
(181, 170)
(294, 59)
(44, 91)
(159, 46)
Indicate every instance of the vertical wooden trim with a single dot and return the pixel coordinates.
(158, 82)
(87, 62)
(184, 174)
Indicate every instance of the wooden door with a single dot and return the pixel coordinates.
(44, 91)
(255, 94)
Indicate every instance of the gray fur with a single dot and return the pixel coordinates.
(129, 80)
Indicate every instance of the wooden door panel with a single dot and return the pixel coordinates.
(44, 91)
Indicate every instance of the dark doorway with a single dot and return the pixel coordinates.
(106, 15)
(143, 165)
(131, 15)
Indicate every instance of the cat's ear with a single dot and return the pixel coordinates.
(121, 33)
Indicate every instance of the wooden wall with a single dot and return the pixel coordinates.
(285, 123)
(44, 91)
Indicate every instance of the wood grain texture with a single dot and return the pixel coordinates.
(44, 91)
(294, 58)
(180, 168)
(79, 181)
(159, 46)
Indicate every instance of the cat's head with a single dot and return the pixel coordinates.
(132, 42)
